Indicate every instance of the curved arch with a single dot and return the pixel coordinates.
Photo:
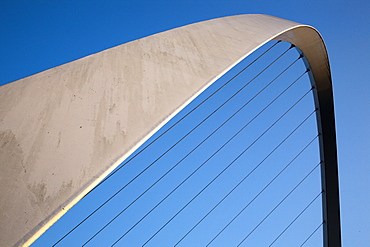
(63, 130)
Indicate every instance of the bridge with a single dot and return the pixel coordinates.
(64, 130)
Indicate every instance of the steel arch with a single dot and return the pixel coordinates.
(61, 133)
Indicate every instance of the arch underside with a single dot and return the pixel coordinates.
(65, 129)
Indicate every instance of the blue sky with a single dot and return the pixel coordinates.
(43, 34)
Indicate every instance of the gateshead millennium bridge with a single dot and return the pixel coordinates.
(64, 130)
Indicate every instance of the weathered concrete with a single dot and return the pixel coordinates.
(63, 130)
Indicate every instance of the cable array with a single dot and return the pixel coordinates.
(273, 210)
(227, 167)
(247, 177)
(268, 118)
(186, 157)
(291, 223)
(166, 131)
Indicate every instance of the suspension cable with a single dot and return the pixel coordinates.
(271, 181)
(226, 167)
(261, 191)
(280, 203)
(317, 228)
(291, 223)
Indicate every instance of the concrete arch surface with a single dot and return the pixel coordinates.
(63, 130)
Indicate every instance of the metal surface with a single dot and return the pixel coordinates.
(63, 130)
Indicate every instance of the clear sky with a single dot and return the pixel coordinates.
(38, 35)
